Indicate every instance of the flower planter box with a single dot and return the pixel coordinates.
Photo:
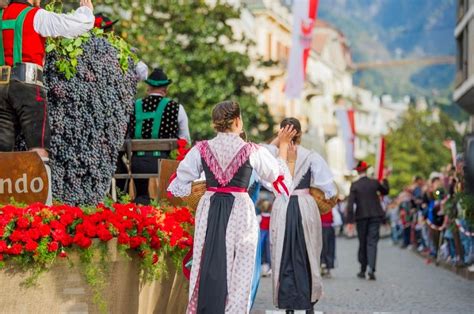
(63, 289)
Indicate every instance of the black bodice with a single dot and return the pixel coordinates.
(241, 179)
(305, 182)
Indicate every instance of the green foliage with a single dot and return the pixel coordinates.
(467, 207)
(69, 50)
(194, 43)
(416, 147)
(95, 275)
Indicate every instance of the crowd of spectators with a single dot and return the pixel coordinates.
(432, 216)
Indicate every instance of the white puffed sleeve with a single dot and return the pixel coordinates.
(268, 167)
(321, 176)
(50, 24)
(189, 170)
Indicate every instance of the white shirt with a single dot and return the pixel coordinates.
(49, 24)
(142, 70)
(182, 121)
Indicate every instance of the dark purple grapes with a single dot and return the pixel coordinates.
(88, 117)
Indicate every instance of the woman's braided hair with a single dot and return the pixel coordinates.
(296, 126)
(224, 114)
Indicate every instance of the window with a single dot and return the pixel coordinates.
(269, 46)
(282, 53)
(463, 56)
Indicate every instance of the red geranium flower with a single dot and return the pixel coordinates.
(37, 221)
(182, 142)
(66, 219)
(56, 225)
(23, 223)
(155, 243)
(104, 234)
(45, 230)
(123, 238)
(53, 246)
(3, 246)
(31, 246)
(17, 236)
(15, 249)
(136, 242)
(33, 234)
(82, 241)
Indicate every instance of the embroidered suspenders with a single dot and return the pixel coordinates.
(156, 116)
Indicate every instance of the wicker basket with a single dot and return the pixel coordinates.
(197, 191)
(325, 205)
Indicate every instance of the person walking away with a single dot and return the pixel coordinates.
(328, 252)
(24, 27)
(295, 227)
(155, 117)
(339, 216)
(365, 195)
(265, 213)
(226, 228)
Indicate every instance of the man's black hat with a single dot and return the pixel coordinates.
(158, 78)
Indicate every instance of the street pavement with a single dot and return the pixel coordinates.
(405, 283)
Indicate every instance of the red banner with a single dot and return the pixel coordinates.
(381, 159)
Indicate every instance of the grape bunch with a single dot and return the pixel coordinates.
(88, 117)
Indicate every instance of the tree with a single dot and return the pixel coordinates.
(195, 44)
(415, 146)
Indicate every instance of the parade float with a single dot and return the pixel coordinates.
(86, 252)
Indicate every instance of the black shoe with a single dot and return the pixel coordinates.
(361, 275)
(371, 276)
(289, 312)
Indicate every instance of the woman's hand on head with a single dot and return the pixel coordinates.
(286, 135)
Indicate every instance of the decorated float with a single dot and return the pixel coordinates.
(84, 251)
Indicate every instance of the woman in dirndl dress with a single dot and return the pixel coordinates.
(295, 227)
(226, 229)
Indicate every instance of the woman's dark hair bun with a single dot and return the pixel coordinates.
(224, 114)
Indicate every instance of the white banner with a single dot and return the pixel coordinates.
(347, 135)
(303, 25)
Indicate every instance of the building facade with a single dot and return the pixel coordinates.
(464, 33)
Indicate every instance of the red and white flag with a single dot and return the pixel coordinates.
(304, 16)
(348, 128)
(451, 145)
(380, 161)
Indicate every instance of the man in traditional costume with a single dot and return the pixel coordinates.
(295, 228)
(368, 214)
(23, 31)
(156, 117)
(226, 231)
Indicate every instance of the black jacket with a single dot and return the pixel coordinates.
(365, 194)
